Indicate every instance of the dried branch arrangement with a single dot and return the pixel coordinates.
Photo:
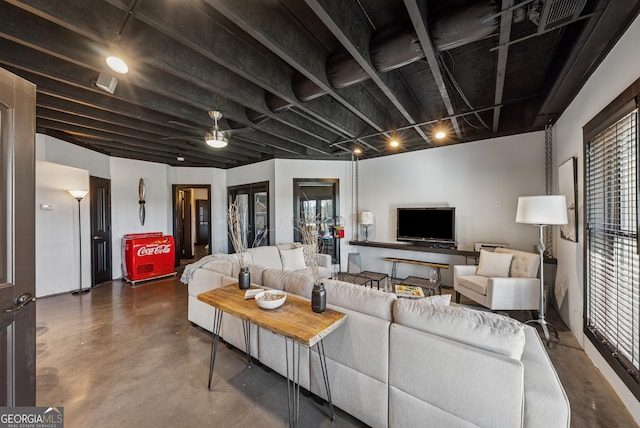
(237, 220)
(309, 237)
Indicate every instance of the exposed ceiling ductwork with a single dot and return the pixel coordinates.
(393, 48)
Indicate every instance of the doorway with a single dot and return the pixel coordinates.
(191, 221)
(254, 198)
(318, 199)
(100, 202)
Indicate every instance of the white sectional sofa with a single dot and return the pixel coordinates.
(401, 362)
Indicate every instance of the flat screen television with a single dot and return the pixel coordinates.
(433, 225)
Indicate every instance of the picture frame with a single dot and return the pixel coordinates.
(568, 186)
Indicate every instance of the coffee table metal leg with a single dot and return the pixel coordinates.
(293, 384)
(325, 376)
(246, 327)
(217, 321)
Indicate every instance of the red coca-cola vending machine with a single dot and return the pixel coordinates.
(147, 256)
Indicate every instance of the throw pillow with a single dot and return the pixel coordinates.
(494, 265)
(293, 259)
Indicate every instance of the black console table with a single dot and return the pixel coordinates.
(422, 248)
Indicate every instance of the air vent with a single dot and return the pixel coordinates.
(554, 13)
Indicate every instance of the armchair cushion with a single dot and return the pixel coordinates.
(476, 283)
(524, 264)
(494, 264)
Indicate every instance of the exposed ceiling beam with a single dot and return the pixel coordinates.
(297, 49)
(346, 23)
(418, 14)
(503, 53)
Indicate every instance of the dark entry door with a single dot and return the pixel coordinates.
(100, 195)
(202, 209)
(17, 241)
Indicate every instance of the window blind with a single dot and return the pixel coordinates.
(612, 262)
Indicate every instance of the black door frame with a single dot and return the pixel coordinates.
(251, 189)
(176, 188)
(335, 184)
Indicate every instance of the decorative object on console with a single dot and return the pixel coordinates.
(79, 194)
(366, 219)
(237, 221)
(141, 194)
(542, 211)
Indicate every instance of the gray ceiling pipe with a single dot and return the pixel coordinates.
(394, 48)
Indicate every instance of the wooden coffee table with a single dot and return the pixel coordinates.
(294, 320)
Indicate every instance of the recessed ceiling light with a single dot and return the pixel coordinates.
(117, 64)
(440, 135)
(394, 143)
(180, 158)
(357, 150)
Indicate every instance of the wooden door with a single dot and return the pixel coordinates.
(17, 241)
(100, 201)
(186, 247)
(202, 210)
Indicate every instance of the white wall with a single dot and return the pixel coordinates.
(482, 180)
(620, 69)
(57, 241)
(125, 176)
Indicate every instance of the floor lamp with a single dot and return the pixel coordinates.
(79, 194)
(541, 211)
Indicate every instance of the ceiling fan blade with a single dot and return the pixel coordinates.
(185, 125)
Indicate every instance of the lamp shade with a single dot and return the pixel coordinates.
(366, 218)
(78, 194)
(544, 209)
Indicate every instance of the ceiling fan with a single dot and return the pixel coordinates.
(214, 137)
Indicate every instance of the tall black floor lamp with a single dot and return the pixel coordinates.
(79, 194)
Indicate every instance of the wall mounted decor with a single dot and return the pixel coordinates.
(141, 202)
(568, 186)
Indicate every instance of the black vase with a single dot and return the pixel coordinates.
(244, 279)
(319, 298)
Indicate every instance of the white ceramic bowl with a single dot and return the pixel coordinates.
(271, 304)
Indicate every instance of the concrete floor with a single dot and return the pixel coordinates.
(127, 357)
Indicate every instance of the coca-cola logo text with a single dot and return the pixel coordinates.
(150, 250)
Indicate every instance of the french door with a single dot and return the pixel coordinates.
(254, 199)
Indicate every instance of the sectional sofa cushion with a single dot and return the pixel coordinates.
(494, 264)
(485, 330)
(292, 282)
(293, 259)
(223, 266)
(362, 299)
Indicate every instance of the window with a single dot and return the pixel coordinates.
(612, 264)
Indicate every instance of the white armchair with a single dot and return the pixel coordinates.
(504, 280)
